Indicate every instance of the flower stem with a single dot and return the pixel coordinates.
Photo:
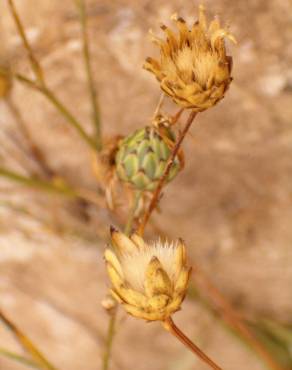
(170, 326)
(92, 90)
(40, 85)
(27, 344)
(157, 192)
(113, 316)
(57, 187)
(109, 340)
(131, 216)
(37, 183)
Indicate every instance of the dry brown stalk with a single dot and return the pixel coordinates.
(170, 326)
(157, 192)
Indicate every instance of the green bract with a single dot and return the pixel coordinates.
(142, 157)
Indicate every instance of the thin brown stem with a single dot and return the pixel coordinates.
(33, 61)
(170, 326)
(231, 316)
(157, 192)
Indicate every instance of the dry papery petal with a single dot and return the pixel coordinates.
(149, 279)
(193, 68)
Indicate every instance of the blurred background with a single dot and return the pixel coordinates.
(232, 204)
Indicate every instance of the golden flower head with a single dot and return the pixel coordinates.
(149, 280)
(194, 69)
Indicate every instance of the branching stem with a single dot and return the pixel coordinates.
(157, 192)
(40, 83)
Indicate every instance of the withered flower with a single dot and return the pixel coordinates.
(149, 280)
(194, 69)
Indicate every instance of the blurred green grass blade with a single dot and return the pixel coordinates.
(277, 338)
(281, 332)
(27, 344)
(19, 358)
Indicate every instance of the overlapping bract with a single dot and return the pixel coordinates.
(193, 69)
(150, 281)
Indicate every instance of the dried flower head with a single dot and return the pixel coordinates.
(194, 69)
(149, 280)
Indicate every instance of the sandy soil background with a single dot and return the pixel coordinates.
(232, 204)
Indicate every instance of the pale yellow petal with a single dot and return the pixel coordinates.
(133, 297)
(180, 257)
(156, 280)
(214, 26)
(114, 276)
(171, 38)
(138, 241)
(122, 243)
(182, 281)
(116, 296)
(112, 259)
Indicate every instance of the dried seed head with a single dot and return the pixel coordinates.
(193, 69)
(142, 157)
(149, 280)
(5, 81)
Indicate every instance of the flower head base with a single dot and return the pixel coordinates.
(150, 281)
(194, 69)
